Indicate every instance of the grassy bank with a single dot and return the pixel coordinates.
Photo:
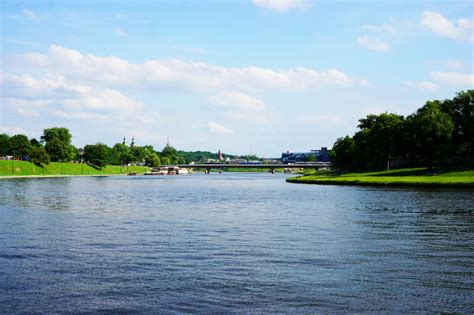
(402, 177)
(24, 168)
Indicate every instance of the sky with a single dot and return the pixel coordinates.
(246, 77)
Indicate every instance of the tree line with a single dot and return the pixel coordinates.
(55, 146)
(435, 131)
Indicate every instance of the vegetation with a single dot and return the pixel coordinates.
(25, 168)
(437, 130)
(434, 177)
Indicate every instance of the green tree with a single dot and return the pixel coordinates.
(461, 111)
(97, 154)
(139, 154)
(343, 154)
(58, 150)
(35, 143)
(4, 149)
(19, 146)
(165, 160)
(38, 155)
(60, 133)
(152, 160)
(170, 153)
(379, 139)
(429, 131)
(121, 154)
(58, 144)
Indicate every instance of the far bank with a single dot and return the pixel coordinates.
(410, 177)
(14, 168)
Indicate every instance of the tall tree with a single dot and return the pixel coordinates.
(97, 154)
(19, 146)
(461, 111)
(58, 150)
(429, 131)
(60, 133)
(4, 149)
(38, 155)
(343, 154)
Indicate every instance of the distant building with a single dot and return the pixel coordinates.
(322, 155)
(219, 155)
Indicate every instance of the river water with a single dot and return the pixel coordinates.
(232, 243)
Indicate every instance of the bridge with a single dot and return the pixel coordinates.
(271, 167)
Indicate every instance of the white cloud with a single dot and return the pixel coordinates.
(372, 44)
(282, 5)
(172, 74)
(120, 32)
(388, 28)
(462, 29)
(455, 64)
(12, 130)
(214, 127)
(234, 99)
(454, 78)
(30, 14)
(28, 113)
(423, 85)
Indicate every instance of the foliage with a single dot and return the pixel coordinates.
(152, 159)
(430, 132)
(121, 154)
(38, 155)
(60, 133)
(35, 143)
(58, 150)
(97, 154)
(436, 130)
(165, 160)
(4, 148)
(19, 146)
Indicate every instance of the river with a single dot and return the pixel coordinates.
(232, 242)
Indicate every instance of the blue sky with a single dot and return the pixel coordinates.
(260, 76)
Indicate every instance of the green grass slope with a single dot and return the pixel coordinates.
(24, 168)
(459, 177)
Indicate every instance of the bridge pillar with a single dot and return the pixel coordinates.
(272, 171)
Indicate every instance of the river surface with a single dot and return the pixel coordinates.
(232, 243)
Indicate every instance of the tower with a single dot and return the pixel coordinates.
(132, 144)
(219, 155)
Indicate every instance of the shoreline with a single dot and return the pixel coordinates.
(409, 177)
(401, 184)
(59, 176)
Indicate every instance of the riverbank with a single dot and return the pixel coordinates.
(420, 177)
(15, 169)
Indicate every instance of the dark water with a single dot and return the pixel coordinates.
(232, 243)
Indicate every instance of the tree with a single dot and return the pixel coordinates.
(380, 138)
(121, 154)
(58, 150)
(4, 148)
(171, 153)
(429, 131)
(461, 111)
(19, 146)
(165, 160)
(343, 153)
(60, 133)
(97, 154)
(35, 143)
(58, 144)
(152, 160)
(38, 155)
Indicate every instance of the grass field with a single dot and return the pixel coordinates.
(24, 168)
(446, 177)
